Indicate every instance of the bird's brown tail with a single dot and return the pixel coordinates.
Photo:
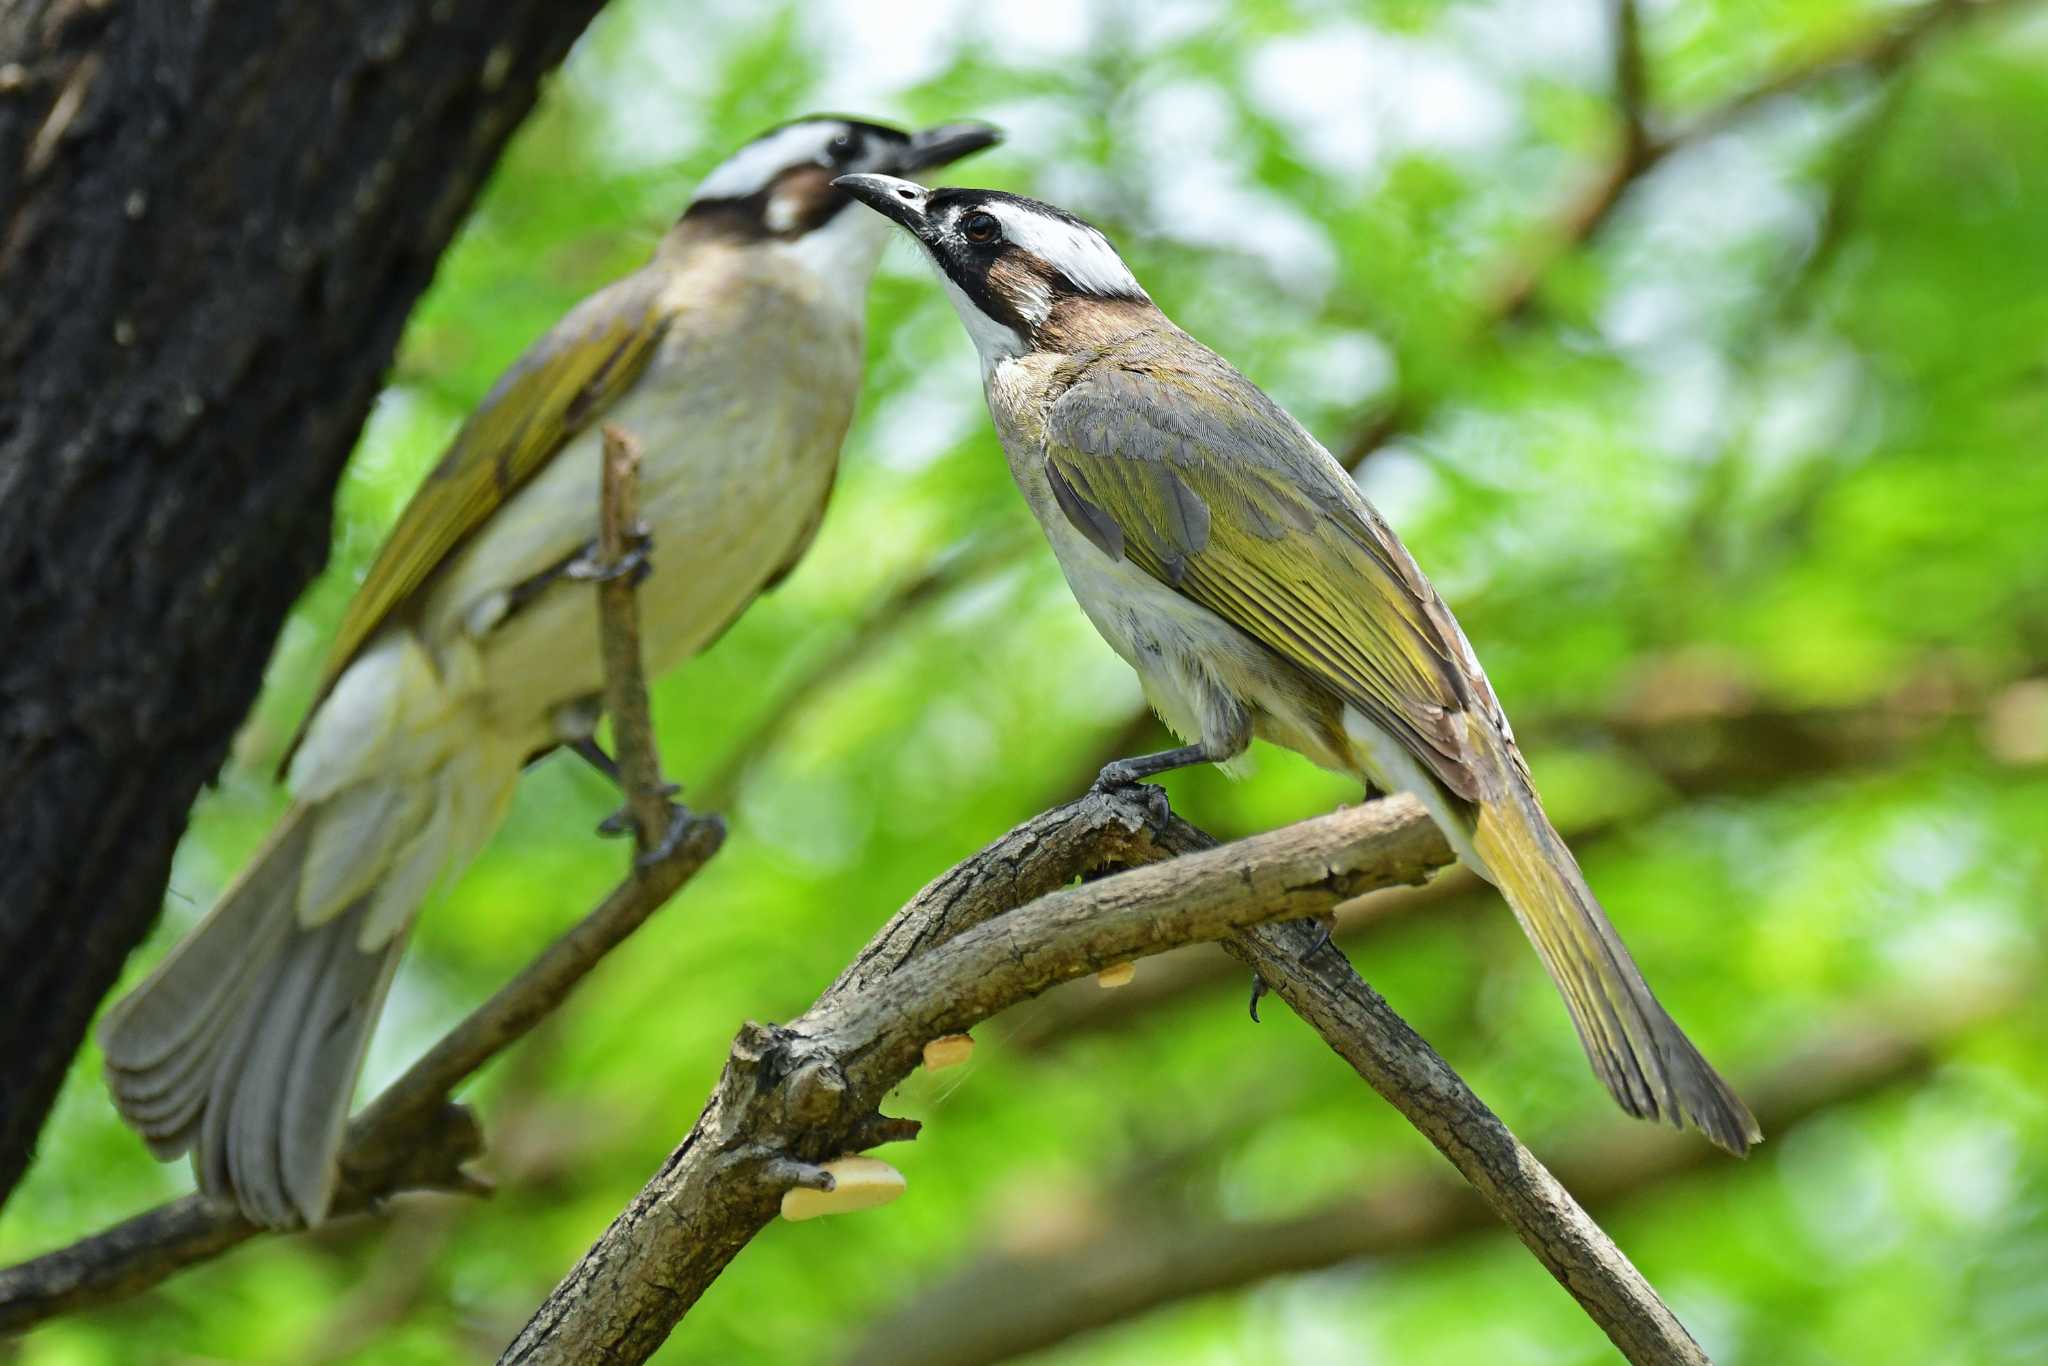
(1636, 1048)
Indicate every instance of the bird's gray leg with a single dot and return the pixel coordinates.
(620, 822)
(593, 754)
(1137, 768)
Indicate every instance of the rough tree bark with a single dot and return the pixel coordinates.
(214, 219)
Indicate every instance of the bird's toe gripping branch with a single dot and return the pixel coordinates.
(634, 565)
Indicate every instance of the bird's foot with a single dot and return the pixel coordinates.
(1328, 925)
(679, 822)
(621, 823)
(635, 565)
(1116, 775)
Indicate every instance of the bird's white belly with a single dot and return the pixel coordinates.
(1173, 643)
(729, 485)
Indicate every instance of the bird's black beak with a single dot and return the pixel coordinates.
(900, 201)
(946, 144)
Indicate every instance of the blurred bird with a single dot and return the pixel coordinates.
(735, 356)
(1235, 565)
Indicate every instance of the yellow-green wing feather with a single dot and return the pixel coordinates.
(563, 383)
(1214, 490)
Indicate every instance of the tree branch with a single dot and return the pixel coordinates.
(1131, 1262)
(1395, 1061)
(620, 566)
(795, 1096)
(1360, 1027)
(411, 1137)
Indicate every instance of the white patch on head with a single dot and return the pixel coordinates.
(749, 170)
(1078, 251)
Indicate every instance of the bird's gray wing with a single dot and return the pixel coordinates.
(1191, 473)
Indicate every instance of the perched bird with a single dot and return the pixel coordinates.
(735, 357)
(1235, 565)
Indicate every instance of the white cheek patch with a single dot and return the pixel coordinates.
(783, 212)
(1034, 302)
(749, 170)
(1078, 251)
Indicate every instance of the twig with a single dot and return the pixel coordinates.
(625, 686)
(1360, 1027)
(1396, 1062)
(411, 1137)
(1008, 1303)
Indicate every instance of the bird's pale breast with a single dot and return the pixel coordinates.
(740, 418)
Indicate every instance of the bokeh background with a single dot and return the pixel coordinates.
(1722, 429)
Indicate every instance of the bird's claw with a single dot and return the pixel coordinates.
(1328, 926)
(679, 822)
(636, 564)
(621, 823)
(1114, 777)
(1115, 784)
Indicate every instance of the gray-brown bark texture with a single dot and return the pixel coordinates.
(214, 218)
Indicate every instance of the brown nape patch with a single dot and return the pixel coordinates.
(1021, 284)
(1084, 322)
(798, 200)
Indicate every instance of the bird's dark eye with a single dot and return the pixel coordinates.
(842, 149)
(980, 228)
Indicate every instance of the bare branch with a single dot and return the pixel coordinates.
(1396, 1062)
(807, 1091)
(411, 1137)
(1360, 1027)
(625, 687)
(1020, 1300)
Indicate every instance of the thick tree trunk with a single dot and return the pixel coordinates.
(214, 218)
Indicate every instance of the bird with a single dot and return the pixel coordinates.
(734, 356)
(1236, 566)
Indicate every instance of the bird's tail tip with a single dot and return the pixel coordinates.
(1636, 1049)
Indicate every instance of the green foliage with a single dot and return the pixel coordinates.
(1769, 445)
